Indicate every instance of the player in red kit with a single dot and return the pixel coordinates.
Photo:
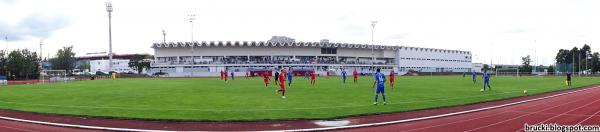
(392, 76)
(282, 84)
(266, 79)
(355, 75)
(247, 74)
(313, 76)
(221, 74)
(225, 76)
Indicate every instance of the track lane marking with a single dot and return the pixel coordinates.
(471, 119)
(571, 110)
(525, 115)
(595, 114)
(14, 128)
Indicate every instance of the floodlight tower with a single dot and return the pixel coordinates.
(373, 43)
(109, 9)
(6, 38)
(191, 17)
(41, 51)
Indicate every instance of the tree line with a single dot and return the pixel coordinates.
(19, 64)
(23, 64)
(579, 59)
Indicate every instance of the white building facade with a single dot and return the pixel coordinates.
(433, 60)
(208, 58)
(119, 66)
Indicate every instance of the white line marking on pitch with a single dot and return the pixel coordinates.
(312, 129)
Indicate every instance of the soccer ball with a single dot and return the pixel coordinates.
(525, 91)
(481, 90)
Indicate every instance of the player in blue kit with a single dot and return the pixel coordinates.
(289, 78)
(380, 82)
(486, 80)
(474, 76)
(344, 75)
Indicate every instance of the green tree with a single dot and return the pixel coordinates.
(65, 60)
(526, 67)
(585, 53)
(139, 63)
(3, 61)
(574, 58)
(485, 67)
(23, 64)
(562, 56)
(595, 62)
(550, 69)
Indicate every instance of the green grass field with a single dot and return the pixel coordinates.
(248, 99)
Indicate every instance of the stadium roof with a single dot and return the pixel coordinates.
(292, 44)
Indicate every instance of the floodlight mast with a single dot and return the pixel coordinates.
(373, 44)
(191, 17)
(41, 41)
(109, 9)
(6, 38)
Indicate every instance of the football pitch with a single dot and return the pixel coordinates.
(210, 99)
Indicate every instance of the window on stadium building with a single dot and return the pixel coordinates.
(328, 51)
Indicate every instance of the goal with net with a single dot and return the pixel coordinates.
(53, 76)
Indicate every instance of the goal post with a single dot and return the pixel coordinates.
(53, 76)
(508, 72)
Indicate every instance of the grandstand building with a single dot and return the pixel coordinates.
(181, 59)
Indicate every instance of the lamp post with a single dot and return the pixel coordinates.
(373, 44)
(41, 51)
(6, 38)
(191, 18)
(109, 9)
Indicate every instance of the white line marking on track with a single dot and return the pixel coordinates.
(595, 114)
(571, 110)
(526, 115)
(14, 128)
(548, 113)
(450, 123)
(76, 126)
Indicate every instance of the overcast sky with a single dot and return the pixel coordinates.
(503, 29)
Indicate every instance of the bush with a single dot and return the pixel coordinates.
(160, 73)
(100, 73)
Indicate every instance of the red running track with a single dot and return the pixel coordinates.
(571, 109)
(14, 126)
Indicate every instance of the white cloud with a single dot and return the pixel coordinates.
(509, 27)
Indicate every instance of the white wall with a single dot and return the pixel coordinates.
(449, 61)
(119, 65)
